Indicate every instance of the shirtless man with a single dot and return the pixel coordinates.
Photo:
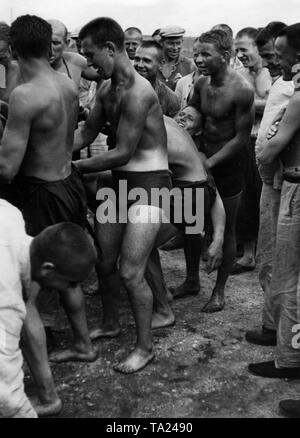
(225, 100)
(285, 276)
(138, 157)
(71, 64)
(35, 159)
(9, 69)
(188, 171)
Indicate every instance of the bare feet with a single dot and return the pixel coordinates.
(73, 355)
(46, 409)
(161, 321)
(185, 289)
(136, 361)
(104, 333)
(215, 304)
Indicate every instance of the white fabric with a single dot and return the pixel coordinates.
(14, 275)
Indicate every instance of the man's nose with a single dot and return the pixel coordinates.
(199, 59)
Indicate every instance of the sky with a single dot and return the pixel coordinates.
(196, 16)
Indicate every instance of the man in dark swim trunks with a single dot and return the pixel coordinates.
(225, 100)
(138, 157)
(35, 163)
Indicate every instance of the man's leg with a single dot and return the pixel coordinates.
(139, 239)
(82, 350)
(269, 210)
(109, 237)
(217, 301)
(192, 253)
(285, 289)
(162, 315)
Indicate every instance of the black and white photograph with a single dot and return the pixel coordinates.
(149, 211)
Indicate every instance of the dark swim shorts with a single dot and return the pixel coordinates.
(44, 203)
(190, 201)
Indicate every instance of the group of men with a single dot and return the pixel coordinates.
(198, 158)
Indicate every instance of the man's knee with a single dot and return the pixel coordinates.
(131, 275)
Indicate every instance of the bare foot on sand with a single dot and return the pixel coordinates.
(99, 333)
(46, 409)
(215, 304)
(162, 321)
(185, 289)
(136, 361)
(73, 355)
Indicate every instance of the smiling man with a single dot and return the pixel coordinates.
(174, 65)
(225, 99)
(146, 62)
(138, 158)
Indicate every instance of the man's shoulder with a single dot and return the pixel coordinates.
(76, 59)
(239, 82)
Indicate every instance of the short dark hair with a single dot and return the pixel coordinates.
(102, 30)
(222, 41)
(30, 37)
(292, 34)
(67, 246)
(148, 44)
(269, 33)
(225, 28)
(250, 32)
(133, 30)
(4, 32)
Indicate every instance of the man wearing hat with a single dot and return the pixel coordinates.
(174, 65)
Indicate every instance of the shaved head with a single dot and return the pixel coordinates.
(59, 28)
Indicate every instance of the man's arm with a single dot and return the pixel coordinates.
(134, 111)
(86, 133)
(16, 134)
(288, 127)
(195, 100)
(215, 250)
(244, 116)
(34, 347)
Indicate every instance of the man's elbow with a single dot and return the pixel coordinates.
(7, 172)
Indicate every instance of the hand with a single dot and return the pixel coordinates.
(273, 130)
(215, 255)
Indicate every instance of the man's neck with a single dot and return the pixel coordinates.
(218, 79)
(257, 67)
(123, 71)
(170, 60)
(29, 68)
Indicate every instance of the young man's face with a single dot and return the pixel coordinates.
(98, 57)
(146, 62)
(196, 52)
(132, 41)
(269, 58)
(208, 59)
(172, 47)
(287, 57)
(189, 119)
(246, 51)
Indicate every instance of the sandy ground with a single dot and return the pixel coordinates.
(200, 369)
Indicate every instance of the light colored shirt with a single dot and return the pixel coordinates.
(14, 259)
(184, 89)
(279, 96)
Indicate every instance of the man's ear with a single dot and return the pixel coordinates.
(46, 268)
(111, 48)
(226, 57)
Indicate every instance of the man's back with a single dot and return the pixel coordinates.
(54, 111)
(184, 158)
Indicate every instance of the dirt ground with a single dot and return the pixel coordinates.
(200, 369)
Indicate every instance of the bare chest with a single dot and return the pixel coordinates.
(217, 103)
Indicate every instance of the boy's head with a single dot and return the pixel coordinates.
(190, 119)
